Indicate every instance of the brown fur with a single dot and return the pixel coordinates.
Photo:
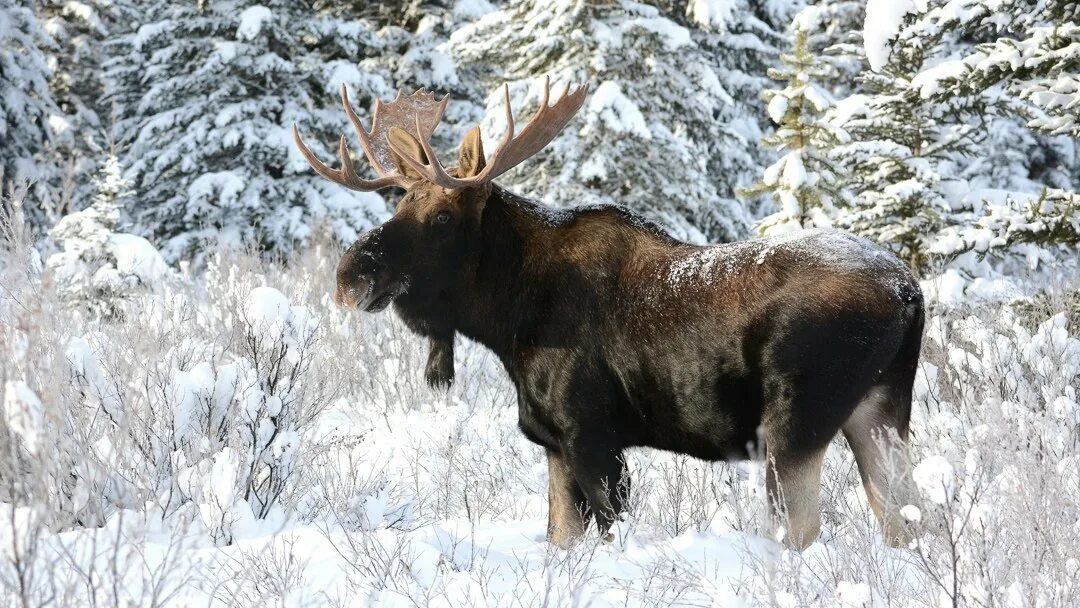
(616, 335)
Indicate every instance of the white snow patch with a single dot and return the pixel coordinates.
(883, 20)
(617, 111)
(136, 256)
(715, 14)
(935, 478)
(23, 413)
(911, 513)
(778, 107)
(251, 22)
(929, 80)
(672, 34)
(472, 9)
(854, 595)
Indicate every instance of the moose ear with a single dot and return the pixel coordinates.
(471, 157)
(403, 140)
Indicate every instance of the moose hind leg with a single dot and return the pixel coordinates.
(876, 433)
(793, 483)
(567, 506)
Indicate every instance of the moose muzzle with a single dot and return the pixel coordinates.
(364, 281)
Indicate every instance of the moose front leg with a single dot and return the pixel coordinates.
(600, 471)
(440, 364)
(568, 509)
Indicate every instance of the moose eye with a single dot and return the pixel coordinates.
(442, 217)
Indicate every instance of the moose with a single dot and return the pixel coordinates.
(617, 335)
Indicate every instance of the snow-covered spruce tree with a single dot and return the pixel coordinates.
(27, 111)
(1029, 58)
(1021, 95)
(645, 137)
(1033, 50)
(80, 30)
(743, 40)
(802, 182)
(99, 267)
(412, 55)
(834, 31)
(220, 84)
(898, 160)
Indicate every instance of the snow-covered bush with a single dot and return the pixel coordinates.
(99, 267)
(247, 410)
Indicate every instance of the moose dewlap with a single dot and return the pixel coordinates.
(617, 335)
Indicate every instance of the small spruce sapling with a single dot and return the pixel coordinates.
(802, 182)
(99, 267)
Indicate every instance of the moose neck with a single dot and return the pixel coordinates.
(496, 301)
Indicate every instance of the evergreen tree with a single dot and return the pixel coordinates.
(213, 90)
(971, 98)
(834, 35)
(80, 30)
(28, 114)
(898, 160)
(1028, 61)
(742, 39)
(413, 35)
(802, 181)
(649, 135)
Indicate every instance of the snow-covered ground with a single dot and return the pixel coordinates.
(236, 440)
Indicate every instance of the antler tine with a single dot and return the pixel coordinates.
(512, 150)
(433, 171)
(345, 176)
(361, 132)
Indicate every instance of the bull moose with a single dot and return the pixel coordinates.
(617, 335)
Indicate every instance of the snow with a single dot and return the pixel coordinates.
(928, 82)
(911, 513)
(882, 24)
(472, 9)
(948, 288)
(854, 595)
(794, 171)
(777, 108)
(832, 249)
(252, 20)
(935, 478)
(672, 34)
(716, 14)
(23, 413)
(617, 111)
(136, 256)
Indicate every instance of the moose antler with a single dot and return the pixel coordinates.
(420, 111)
(544, 126)
(416, 116)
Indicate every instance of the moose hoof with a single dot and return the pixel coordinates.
(439, 372)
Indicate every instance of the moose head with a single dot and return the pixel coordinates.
(436, 225)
